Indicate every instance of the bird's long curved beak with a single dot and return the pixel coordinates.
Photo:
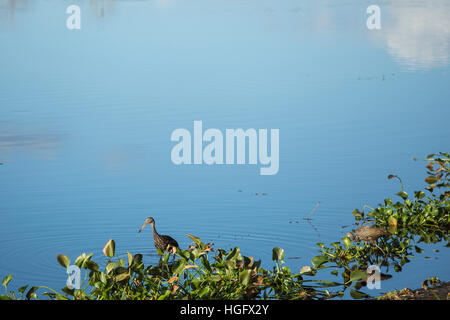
(145, 223)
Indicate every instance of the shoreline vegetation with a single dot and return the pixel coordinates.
(438, 291)
(203, 272)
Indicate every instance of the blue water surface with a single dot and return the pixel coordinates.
(86, 118)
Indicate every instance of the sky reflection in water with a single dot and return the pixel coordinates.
(86, 118)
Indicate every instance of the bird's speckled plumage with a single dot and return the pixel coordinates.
(162, 242)
(368, 233)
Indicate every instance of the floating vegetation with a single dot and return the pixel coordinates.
(202, 272)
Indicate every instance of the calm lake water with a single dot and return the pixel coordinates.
(86, 118)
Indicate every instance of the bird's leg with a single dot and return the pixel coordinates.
(376, 245)
(384, 253)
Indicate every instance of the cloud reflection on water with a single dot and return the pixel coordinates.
(100, 8)
(9, 8)
(41, 145)
(417, 35)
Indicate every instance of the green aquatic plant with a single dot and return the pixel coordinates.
(202, 272)
(421, 219)
(199, 272)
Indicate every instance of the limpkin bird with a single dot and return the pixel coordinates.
(368, 233)
(163, 242)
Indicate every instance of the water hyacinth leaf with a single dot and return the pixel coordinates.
(122, 277)
(431, 179)
(86, 260)
(79, 261)
(103, 278)
(327, 284)
(347, 242)
(22, 289)
(137, 258)
(63, 260)
(109, 248)
(91, 265)
(358, 294)
(229, 265)
(120, 270)
(31, 293)
(403, 195)
(179, 266)
(392, 221)
(194, 254)
(358, 215)
(317, 261)
(130, 259)
(357, 275)
(204, 291)
(194, 238)
(166, 258)
(277, 254)
(392, 229)
(206, 264)
(305, 269)
(51, 295)
(244, 277)
(234, 254)
(68, 291)
(59, 296)
(110, 266)
(215, 277)
(420, 194)
(6, 280)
